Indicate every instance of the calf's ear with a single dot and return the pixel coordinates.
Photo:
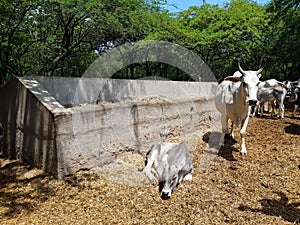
(233, 79)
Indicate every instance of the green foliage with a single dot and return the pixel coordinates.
(227, 34)
(63, 37)
(60, 37)
(284, 42)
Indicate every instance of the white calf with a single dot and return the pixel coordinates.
(271, 91)
(169, 163)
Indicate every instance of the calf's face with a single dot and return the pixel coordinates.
(168, 181)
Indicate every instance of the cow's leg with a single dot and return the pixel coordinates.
(261, 109)
(254, 109)
(188, 177)
(231, 129)
(224, 121)
(181, 176)
(226, 126)
(151, 158)
(242, 133)
(273, 105)
(295, 110)
(269, 105)
(281, 110)
(188, 174)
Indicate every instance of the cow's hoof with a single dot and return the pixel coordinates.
(244, 152)
(188, 177)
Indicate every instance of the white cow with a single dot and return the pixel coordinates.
(272, 91)
(168, 163)
(234, 98)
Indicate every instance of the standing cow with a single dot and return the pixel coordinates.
(294, 93)
(234, 98)
(297, 100)
(271, 91)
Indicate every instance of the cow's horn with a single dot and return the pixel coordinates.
(259, 71)
(240, 69)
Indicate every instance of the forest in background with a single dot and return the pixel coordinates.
(63, 37)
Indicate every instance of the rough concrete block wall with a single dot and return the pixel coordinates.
(29, 127)
(8, 95)
(44, 133)
(94, 135)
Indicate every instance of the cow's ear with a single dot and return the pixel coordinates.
(233, 79)
(259, 75)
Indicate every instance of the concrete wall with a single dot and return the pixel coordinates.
(93, 135)
(72, 91)
(29, 133)
(42, 132)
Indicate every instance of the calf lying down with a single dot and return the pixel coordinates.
(168, 163)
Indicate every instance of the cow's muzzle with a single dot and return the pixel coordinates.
(165, 195)
(252, 102)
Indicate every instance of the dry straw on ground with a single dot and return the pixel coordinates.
(261, 188)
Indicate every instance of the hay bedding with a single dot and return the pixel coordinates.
(261, 188)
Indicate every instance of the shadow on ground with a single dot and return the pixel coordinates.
(277, 207)
(225, 151)
(20, 188)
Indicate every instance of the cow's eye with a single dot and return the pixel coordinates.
(257, 84)
(244, 83)
(173, 180)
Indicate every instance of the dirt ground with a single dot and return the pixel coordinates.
(260, 188)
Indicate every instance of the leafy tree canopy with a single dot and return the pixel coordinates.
(63, 37)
